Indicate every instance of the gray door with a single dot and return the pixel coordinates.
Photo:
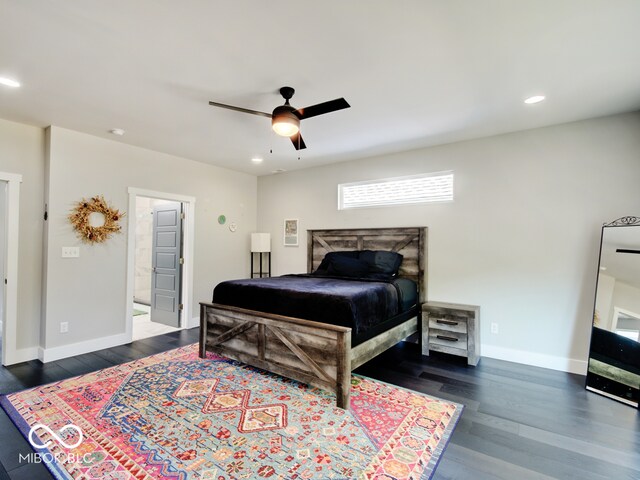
(166, 264)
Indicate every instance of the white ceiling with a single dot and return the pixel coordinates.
(416, 72)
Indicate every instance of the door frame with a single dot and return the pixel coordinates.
(189, 204)
(10, 289)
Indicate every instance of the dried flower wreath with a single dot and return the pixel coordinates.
(79, 218)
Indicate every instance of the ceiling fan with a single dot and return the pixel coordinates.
(285, 119)
(626, 250)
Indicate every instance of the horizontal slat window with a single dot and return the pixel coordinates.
(423, 188)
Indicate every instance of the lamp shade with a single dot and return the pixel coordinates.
(286, 124)
(284, 121)
(260, 242)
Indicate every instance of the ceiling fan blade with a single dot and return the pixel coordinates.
(321, 108)
(298, 142)
(240, 109)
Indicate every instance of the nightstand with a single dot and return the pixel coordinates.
(452, 328)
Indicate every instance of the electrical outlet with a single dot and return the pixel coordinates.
(494, 328)
(64, 327)
(70, 252)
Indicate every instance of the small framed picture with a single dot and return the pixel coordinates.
(291, 232)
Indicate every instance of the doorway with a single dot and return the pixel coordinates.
(160, 263)
(157, 267)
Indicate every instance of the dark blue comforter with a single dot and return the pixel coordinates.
(356, 303)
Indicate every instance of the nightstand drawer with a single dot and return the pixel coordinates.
(449, 323)
(449, 339)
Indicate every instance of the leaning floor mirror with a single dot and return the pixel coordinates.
(614, 354)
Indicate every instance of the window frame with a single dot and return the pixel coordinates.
(442, 173)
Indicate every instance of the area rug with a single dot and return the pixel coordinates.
(176, 416)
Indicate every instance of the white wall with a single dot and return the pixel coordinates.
(521, 238)
(22, 152)
(89, 292)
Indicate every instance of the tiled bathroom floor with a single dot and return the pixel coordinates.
(143, 327)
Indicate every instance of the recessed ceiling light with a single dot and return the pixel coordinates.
(9, 82)
(117, 131)
(256, 160)
(280, 170)
(534, 99)
(603, 268)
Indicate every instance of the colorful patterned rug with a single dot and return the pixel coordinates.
(176, 416)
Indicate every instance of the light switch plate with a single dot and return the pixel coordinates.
(70, 252)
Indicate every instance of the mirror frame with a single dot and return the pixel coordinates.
(628, 221)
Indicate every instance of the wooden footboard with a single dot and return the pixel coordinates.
(318, 354)
(315, 353)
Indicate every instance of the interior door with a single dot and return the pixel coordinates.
(166, 264)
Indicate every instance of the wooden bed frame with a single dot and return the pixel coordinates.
(315, 353)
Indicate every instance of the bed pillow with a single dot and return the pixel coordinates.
(323, 268)
(381, 261)
(342, 266)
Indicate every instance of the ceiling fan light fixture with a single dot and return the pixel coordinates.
(285, 122)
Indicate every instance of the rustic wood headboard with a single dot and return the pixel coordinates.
(410, 242)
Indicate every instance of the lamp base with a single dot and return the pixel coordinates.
(261, 273)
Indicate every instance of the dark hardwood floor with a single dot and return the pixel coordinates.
(519, 422)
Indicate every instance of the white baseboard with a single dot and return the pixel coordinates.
(194, 322)
(553, 362)
(65, 351)
(510, 355)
